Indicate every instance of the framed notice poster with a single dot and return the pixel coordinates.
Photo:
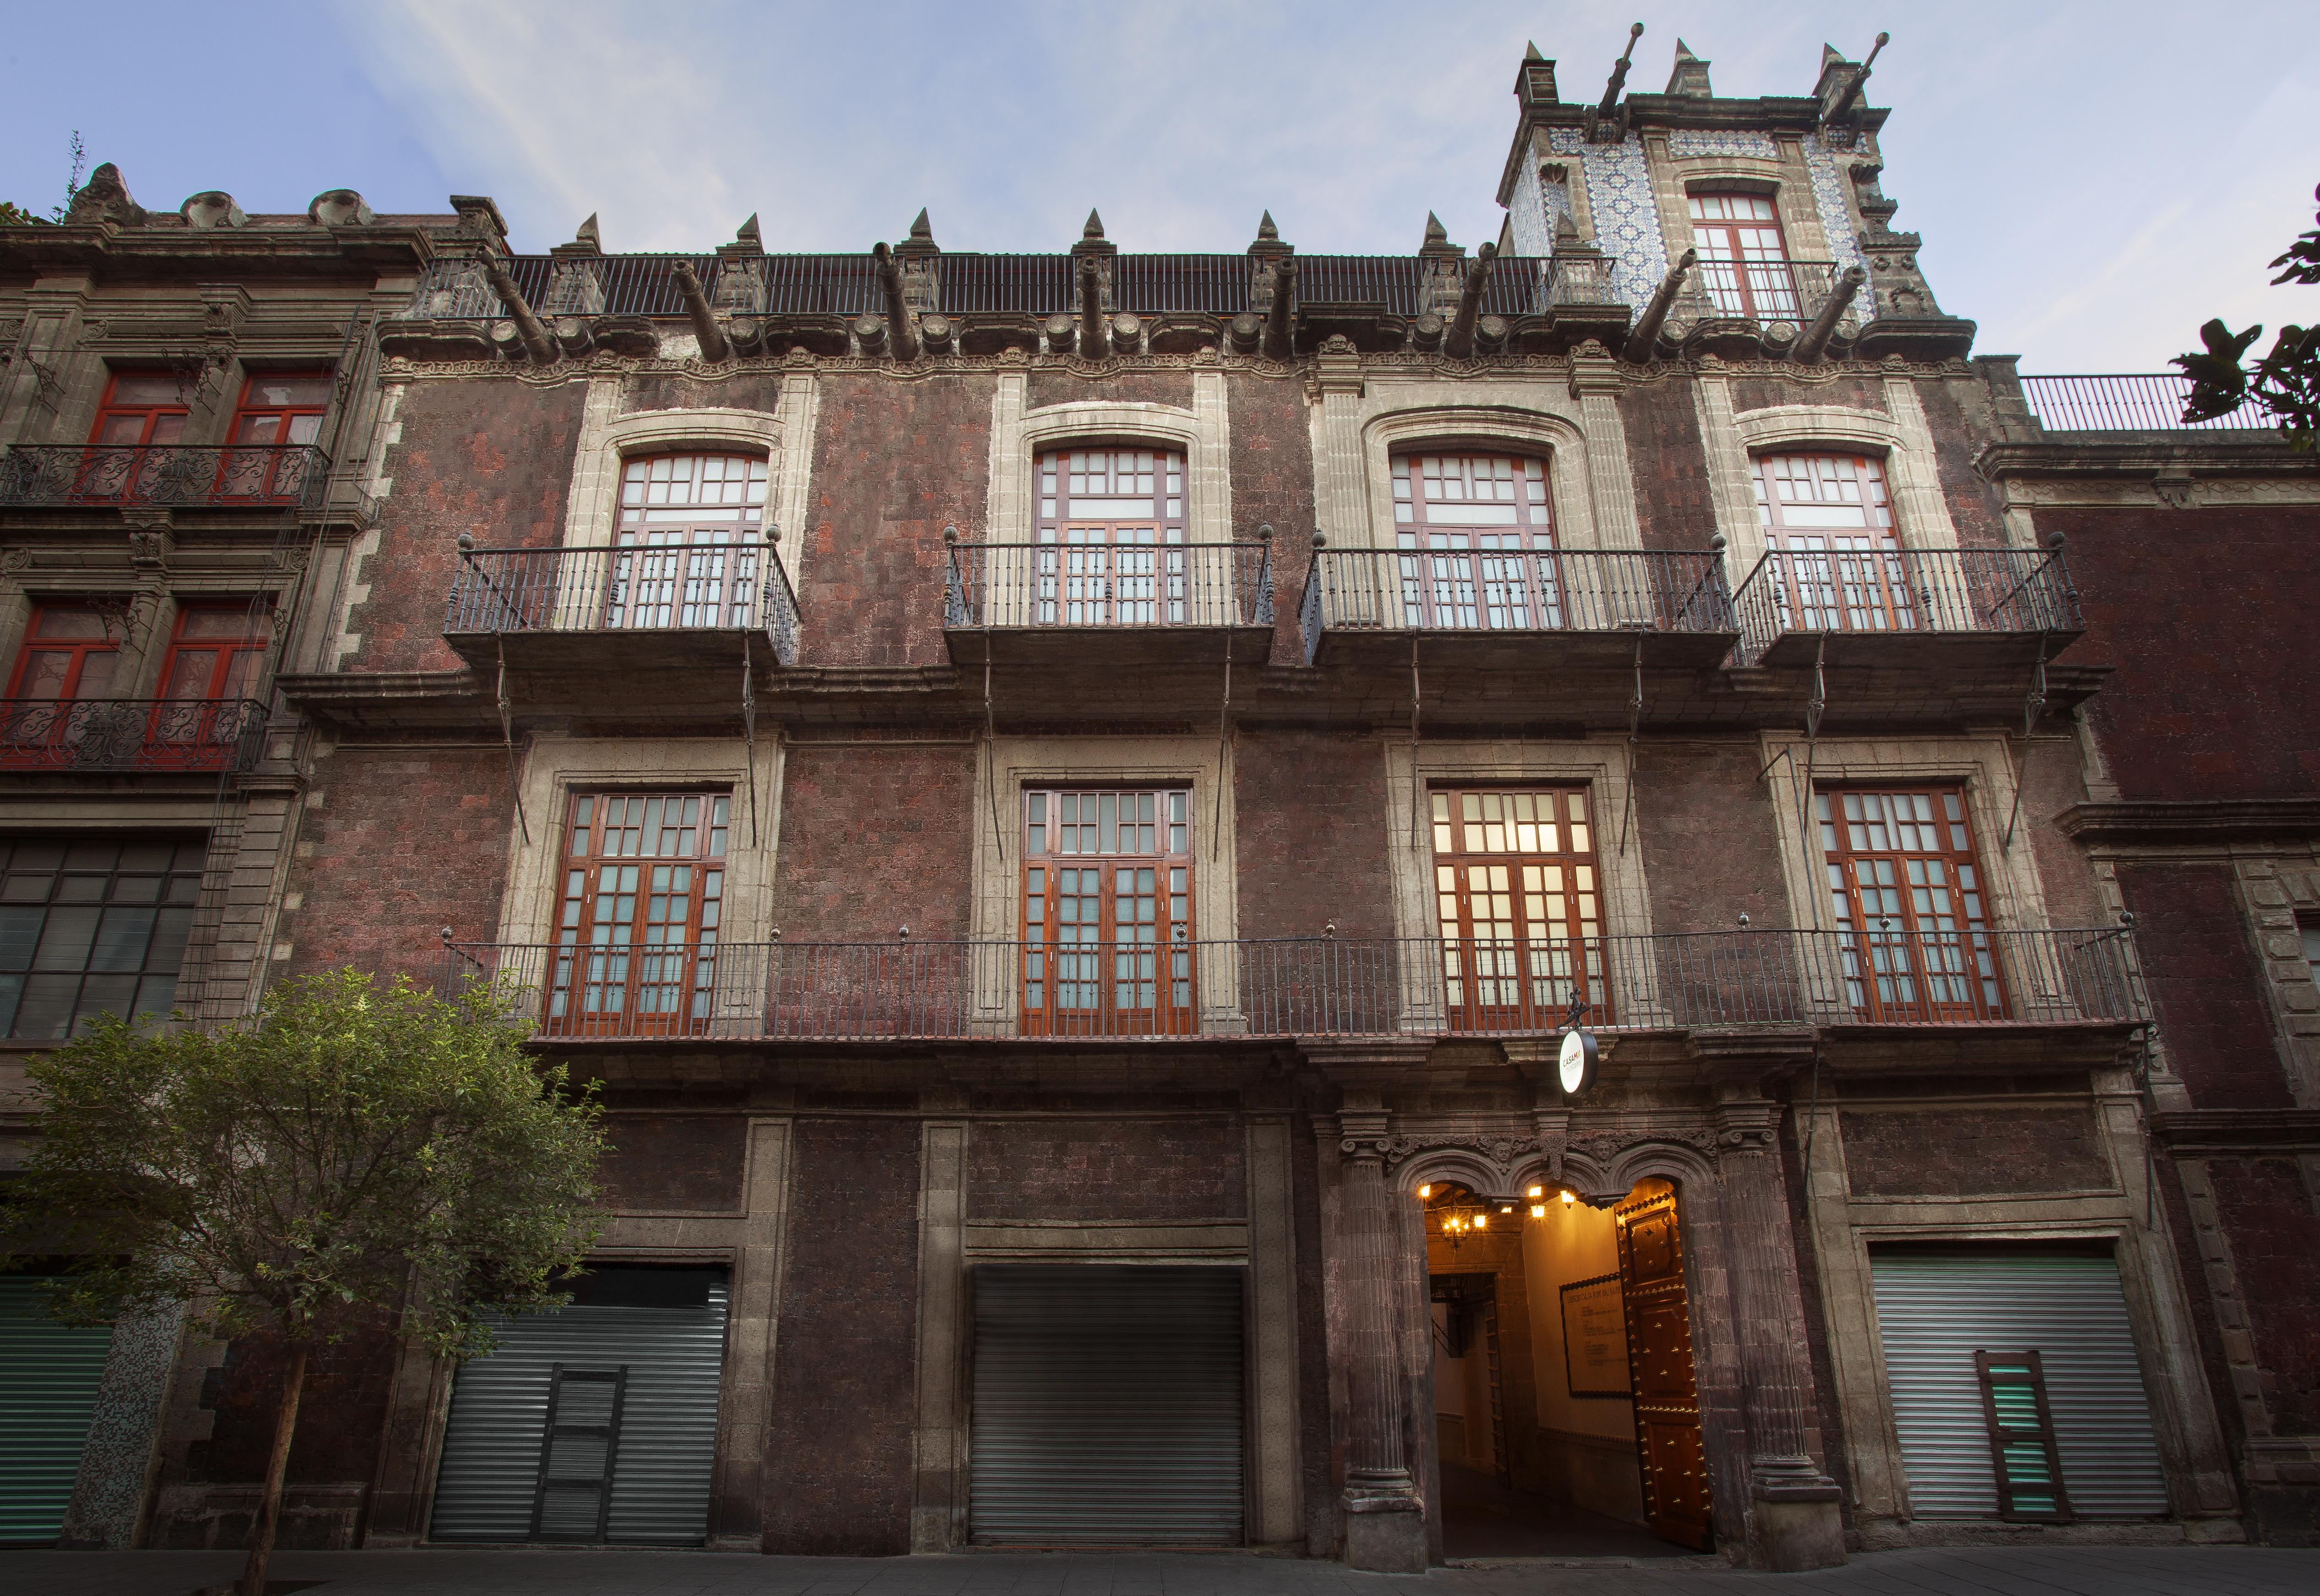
(1595, 1338)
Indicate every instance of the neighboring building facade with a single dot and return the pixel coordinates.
(1073, 802)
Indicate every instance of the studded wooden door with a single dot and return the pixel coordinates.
(1659, 1353)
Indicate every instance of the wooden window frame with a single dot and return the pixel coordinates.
(111, 407)
(1744, 282)
(1546, 975)
(688, 561)
(614, 970)
(1471, 572)
(1830, 578)
(2005, 1439)
(266, 471)
(1886, 968)
(1119, 974)
(1104, 569)
(80, 648)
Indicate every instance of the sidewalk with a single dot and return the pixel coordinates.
(2076, 1571)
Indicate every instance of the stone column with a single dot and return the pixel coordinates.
(1385, 1530)
(1792, 1514)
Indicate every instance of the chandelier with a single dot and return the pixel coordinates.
(1455, 1212)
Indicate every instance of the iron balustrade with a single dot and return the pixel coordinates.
(1108, 585)
(946, 991)
(195, 734)
(2137, 402)
(225, 477)
(1904, 591)
(652, 587)
(1769, 290)
(1459, 587)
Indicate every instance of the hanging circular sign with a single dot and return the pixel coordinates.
(1576, 1062)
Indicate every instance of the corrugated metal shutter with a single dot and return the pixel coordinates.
(49, 1376)
(1106, 1405)
(1936, 1308)
(674, 1353)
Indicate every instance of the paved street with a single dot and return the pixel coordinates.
(2122, 1570)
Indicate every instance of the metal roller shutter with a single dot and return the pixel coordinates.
(1936, 1308)
(665, 1327)
(1108, 1405)
(48, 1375)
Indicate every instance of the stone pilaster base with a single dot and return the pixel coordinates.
(1385, 1534)
(1790, 1537)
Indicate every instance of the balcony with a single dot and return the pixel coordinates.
(2141, 401)
(176, 476)
(1511, 612)
(1953, 982)
(96, 736)
(1116, 604)
(569, 618)
(1907, 609)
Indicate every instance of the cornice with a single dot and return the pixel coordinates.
(2228, 1131)
(2204, 821)
(170, 251)
(2140, 456)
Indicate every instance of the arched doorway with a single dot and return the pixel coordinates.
(1567, 1411)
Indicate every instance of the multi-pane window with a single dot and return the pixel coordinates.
(691, 542)
(1107, 912)
(213, 666)
(1477, 542)
(1828, 526)
(92, 925)
(1111, 539)
(636, 936)
(1744, 261)
(69, 653)
(1520, 906)
(1907, 893)
(277, 408)
(140, 407)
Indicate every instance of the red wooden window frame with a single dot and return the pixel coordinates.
(135, 411)
(1744, 256)
(639, 914)
(279, 411)
(1111, 536)
(690, 543)
(1477, 536)
(1518, 905)
(216, 652)
(1910, 903)
(1107, 906)
(77, 634)
(1827, 521)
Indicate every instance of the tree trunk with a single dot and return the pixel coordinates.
(269, 1510)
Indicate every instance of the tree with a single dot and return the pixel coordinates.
(2284, 384)
(352, 1151)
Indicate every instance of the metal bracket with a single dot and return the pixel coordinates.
(2031, 709)
(749, 737)
(507, 737)
(1634, 725)
(1417, 821)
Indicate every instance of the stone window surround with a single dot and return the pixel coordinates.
(1900, 438)
(1786, 182)
(554, 767)
(2015, 897)
(1019, 435)
(610, 436)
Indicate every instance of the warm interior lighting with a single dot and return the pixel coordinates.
(1568, 1199)
(1425, 1191)
(1536, 1192)
(1481, 1219)
(1505, 1207)
(1538, 1210)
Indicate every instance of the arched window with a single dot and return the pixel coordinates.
(691, 542)
(1828, 533)
(1742, 259)
(1479, 542)
(1107, 520)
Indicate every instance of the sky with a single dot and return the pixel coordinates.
(2093, 181)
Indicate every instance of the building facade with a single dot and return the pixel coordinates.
(1262, 899)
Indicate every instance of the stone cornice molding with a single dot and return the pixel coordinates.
(2188, 1131)
(2130, 822)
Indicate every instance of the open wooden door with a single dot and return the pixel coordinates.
(1659, 1353)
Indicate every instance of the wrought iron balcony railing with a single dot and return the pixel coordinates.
(2138, 402)
(1108, 585)
(1305, 987)
(1905, 593)
(1463, 588)
(647, 587)
(224, 476)
(195, 734)
(1767, 290)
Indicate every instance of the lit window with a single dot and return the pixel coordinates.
(1519, 905)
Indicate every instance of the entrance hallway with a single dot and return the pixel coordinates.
(2059, 1571)
(1482, 1519)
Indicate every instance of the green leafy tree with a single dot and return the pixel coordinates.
(355, 1151)
(2285, 384)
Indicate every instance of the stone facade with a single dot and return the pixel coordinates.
(850, 1148)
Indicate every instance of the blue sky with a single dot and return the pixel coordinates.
(2092, 180)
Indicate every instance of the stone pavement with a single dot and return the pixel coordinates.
(2061, 1570)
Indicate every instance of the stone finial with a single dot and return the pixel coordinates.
(1094, 228)
(212, 208)
(1265, 229)
(1689, 76)
(748, 232)
(1437, 235)
(1530, 51)
(104, 197)
(589, 235)
(922, 229)
(480, 218)
(339, 207)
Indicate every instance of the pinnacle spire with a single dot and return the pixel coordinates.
(1094, 228)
